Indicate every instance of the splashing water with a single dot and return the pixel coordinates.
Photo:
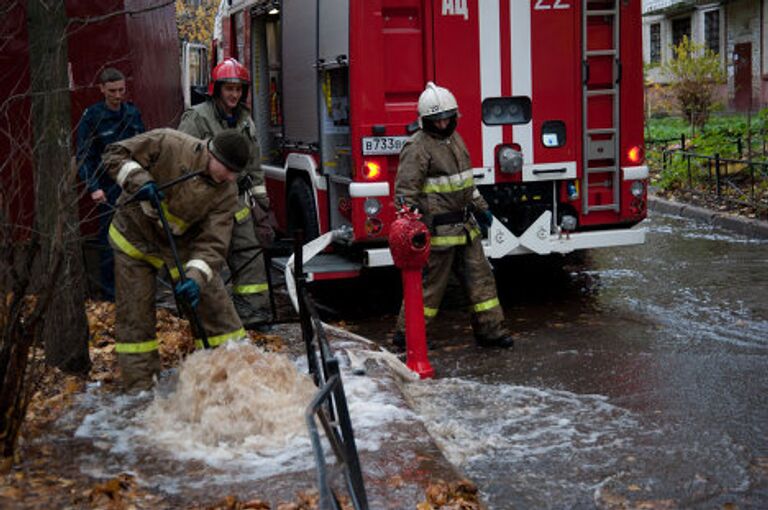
(237, 395)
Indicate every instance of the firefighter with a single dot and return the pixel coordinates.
(435, 178)
(200, 213)
(224, 109)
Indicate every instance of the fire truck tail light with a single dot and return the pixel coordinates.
(371, 171)
(635, 154)
(637, 188)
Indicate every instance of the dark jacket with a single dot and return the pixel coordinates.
(99, 127)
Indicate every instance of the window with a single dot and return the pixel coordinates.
(681, 27)
(656, 43)
(712, 31)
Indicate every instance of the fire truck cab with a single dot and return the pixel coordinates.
(550, 100)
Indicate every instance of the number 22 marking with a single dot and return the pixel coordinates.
(542, 5)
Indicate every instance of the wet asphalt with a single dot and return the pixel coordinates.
(639, 378)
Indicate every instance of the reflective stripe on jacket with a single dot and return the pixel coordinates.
(200, 211)
(435, 176)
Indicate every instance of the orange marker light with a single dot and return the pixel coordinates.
(635, 154)
(371, 170)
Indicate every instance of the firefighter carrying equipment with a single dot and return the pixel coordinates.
(200, 212)
(229, 70)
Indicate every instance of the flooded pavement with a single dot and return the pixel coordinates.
(230, 422)
(638, 381)
(639, 378)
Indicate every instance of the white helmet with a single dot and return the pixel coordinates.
(436, 103)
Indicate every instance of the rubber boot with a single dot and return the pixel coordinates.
(501, 342)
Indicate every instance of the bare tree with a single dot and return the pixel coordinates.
(41, 272)
(65, 326)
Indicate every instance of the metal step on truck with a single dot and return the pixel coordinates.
(550, 99)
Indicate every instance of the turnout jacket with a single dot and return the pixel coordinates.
(99, 127)
(435, 176)
(206, 120)
(199, 210)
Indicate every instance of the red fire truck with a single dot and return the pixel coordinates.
(550, 100)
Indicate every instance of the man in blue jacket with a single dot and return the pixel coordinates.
(103, 123)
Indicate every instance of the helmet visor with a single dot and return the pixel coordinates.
(442, 115)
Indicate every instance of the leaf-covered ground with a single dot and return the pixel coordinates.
(34, 483)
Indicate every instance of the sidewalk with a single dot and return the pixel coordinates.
(748, 227)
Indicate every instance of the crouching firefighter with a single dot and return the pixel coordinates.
(435, 177)
(193, 181)
(224, 109)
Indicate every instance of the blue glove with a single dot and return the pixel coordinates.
(484, 218)
(149, 192)
(189, 292)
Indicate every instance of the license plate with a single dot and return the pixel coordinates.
(383, 145)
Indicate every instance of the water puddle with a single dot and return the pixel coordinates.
(544, 448)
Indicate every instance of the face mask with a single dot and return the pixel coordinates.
(429, 127)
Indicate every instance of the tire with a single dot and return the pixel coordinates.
(301, 212)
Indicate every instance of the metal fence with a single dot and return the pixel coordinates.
(728, 180)
(329, 405)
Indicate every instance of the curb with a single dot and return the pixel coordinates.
(748, 227)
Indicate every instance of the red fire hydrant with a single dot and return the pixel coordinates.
(409, 245)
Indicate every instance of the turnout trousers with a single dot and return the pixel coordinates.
(250, 291)
(473, 271)
(135, 325)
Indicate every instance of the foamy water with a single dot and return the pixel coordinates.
(237, 411)
(472, 420)
(530, 447)
(232, 397)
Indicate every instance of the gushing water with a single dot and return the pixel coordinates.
(235, 396)
(227, 417)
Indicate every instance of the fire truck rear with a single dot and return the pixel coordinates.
(550, 100)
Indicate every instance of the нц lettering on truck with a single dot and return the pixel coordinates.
(550, 100)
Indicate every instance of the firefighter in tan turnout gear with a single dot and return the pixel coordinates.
(223, 109)
(435, 177)
(199, 211)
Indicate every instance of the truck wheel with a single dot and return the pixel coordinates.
(301, 210)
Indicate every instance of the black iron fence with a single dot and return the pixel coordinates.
(736, 181)
(329, 405)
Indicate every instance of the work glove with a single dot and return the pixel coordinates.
(189, 292)
(484, 218)
(244, 183)
(150, 193)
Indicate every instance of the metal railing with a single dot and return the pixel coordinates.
(329, 405)
(724, 178)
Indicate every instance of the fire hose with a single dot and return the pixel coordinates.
(309, 250)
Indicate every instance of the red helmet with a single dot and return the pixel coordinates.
(229, 70)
